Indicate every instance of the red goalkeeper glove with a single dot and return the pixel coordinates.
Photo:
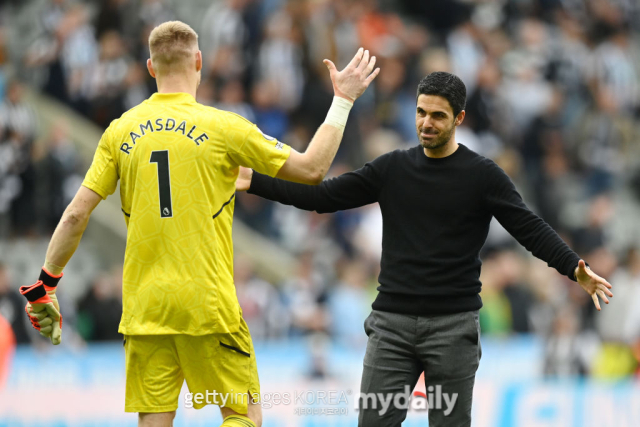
(43, 308)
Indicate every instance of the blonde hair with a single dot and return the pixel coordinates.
(172, 45)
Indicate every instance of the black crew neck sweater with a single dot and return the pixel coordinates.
(436, 215)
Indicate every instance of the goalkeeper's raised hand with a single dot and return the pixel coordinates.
(356, 77)
(42, 306)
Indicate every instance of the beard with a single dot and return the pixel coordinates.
(439, 141)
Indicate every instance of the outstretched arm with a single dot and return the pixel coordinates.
(347, 191)
(538, 237)
(42, 306)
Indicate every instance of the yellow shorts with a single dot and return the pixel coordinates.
(221, 368)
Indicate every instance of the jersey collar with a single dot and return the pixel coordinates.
(173, 98)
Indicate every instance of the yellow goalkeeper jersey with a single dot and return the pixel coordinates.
(177, 162)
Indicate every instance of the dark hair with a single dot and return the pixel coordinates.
(446, 85)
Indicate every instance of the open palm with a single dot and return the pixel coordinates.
(593, 284)
(355, 78)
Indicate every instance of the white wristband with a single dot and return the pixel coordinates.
(338, 113)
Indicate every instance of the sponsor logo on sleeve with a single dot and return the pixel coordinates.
(267, 137)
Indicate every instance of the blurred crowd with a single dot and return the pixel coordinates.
(553, 96)
(38, 178)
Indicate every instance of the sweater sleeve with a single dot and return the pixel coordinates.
(347, 191)
(531, 231)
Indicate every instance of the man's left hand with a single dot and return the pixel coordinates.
(593, 284)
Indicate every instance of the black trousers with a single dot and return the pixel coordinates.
(400, 347)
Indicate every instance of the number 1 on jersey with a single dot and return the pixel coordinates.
(161, 158)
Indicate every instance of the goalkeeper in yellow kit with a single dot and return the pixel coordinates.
(177, 162)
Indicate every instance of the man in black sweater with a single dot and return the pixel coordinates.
(437, 200)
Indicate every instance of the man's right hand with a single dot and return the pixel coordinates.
(356, 77)
(46, 319)
(244, 179)
(42, 306)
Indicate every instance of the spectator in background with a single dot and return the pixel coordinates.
(615, 68)
(516, 290)
(222, 36)
(232, 98)
(3, 61)
(270, 118)
(567, 350)
(495, 318)
(622, 325)
(19, 123)
(22, 211)
(109, 16)
(306, 297)
(78, 54)
(137, 86)
(7, 347)
(543, 152)
(523, 77)
(483, 106)
(42, 55)
(59, 172)
(106, 80)
(388, 109)
(153, 13)
(100, 309)
(256, 213)
(260, 301)
(17, 116)
(467, 54)
(12, 309)
(9, 183)
(570, 61)
(206, 92)
(349, 302)
(280, 60)
(592, 235)
(604, 138)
